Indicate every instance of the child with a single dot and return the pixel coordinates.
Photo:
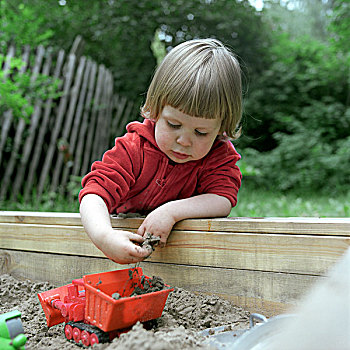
(178, 163)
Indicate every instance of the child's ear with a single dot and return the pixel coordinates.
(222, 133)
(147, 116)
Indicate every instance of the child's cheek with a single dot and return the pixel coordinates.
(163, 140)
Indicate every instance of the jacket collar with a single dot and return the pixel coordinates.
(145, 130)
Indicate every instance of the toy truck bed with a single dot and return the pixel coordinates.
(109, 314)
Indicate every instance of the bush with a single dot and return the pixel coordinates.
(304, 121)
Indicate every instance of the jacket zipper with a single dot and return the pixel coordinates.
(158, 182)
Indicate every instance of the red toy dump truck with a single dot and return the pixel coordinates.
(101, 306)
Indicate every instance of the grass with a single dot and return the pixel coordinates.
(262, 203)
(252, 202)
(50, 202)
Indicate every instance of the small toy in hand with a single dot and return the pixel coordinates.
(150, 242)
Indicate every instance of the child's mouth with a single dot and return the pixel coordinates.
(180, 155)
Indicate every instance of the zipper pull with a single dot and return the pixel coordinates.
(160, 182)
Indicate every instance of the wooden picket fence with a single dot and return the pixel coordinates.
(65, 135)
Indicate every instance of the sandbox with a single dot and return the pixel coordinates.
(253, 264)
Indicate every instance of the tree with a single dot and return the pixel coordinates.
(119, 33)
(340, 25)
(21, 26)
(299, 17)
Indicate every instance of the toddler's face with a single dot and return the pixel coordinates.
(184, 138)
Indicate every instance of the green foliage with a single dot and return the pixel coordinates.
(340, 25)
(18, 89)
(21, 25)
(50, 202)
(301, 102)
(158, 48)
(119, 33)
(12, 90)
(297, 107)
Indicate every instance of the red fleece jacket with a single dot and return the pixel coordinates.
(136, 176)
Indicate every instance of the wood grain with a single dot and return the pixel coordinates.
(269, 252)
(267, 293)
(307, 226)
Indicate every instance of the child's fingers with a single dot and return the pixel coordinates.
(138, 251)
(136, 237)
(141, 230)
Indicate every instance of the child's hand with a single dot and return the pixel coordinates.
(119, 246)
(159, 223)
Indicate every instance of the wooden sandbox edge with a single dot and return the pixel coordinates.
(240, 259)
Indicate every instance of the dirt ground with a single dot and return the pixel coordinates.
(184, 315)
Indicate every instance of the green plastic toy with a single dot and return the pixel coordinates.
(11, 331)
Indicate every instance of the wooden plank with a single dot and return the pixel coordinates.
(88, 150)
(119, 102)
(299, 226)
(74, 93)
(273, 252)
(99, 109)
(10, 167)
(76, 126)
(110, 104)
(78, 46)
(58, 124)
(28, 144)
(84, 126)
(42, 131)
(264, 292)
(7, 64)
(44, 218)
(125, 118)
(103, 117)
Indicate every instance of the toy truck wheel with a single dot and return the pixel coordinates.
(85, 338)
(76, 334)
(94, 339)
(68, 331)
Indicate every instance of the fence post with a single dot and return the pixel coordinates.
(76, 126)
(88, 155)
(58, 124)
(85, 122)
(8, 115)
(19, 130)
(42, 130)
(88, 116)
(28, 145)
(68, 122)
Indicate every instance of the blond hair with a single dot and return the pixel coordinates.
(201, 78)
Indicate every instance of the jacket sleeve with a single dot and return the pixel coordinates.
(220, 174)
(112, 177)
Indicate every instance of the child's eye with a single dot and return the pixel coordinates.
(198, 133)
(174, 126)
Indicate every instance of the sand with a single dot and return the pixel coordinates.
(184, 315)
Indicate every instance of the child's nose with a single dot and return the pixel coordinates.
(184, 140)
